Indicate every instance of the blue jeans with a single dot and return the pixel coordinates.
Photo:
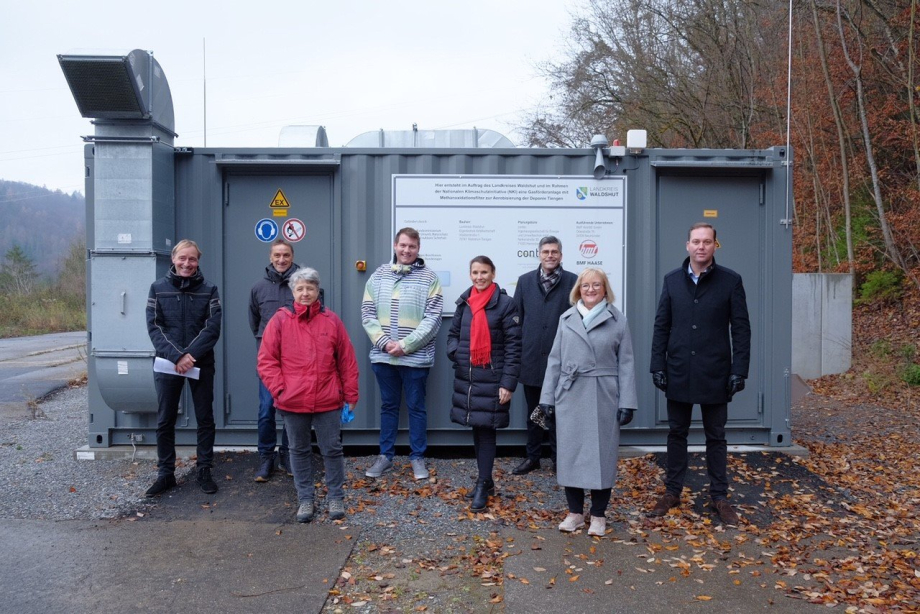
(328, 427)
(393, 380)
(268, 434)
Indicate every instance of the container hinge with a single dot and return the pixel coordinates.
(760, 403)
(763, 189)
(227, 404)
(226, 194)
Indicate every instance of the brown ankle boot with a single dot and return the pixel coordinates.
(664, 504)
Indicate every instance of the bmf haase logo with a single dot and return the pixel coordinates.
(588, 248)
(581, 193)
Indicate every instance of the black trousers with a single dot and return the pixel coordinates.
(575, 499)
(169, 390)
(535, 434)
(714, 418)
(484, 443)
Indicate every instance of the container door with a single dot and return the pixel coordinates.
(260, 208)
(733, 205)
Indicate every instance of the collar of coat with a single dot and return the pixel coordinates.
(572, 320)
(185, 283)
(464, 298)
(704, 273)
(308, 313)
(405, 269)
(279, 278)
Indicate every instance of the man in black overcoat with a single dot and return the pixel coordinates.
(701, 349)
(541, 297)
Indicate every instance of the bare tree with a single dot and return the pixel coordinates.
(685, 70)
(841, 138)
(891, 250)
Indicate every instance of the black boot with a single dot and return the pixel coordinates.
(490, 489)
(480, 496)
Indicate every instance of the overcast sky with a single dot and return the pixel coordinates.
(350, 66)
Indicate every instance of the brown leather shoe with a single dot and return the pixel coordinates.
(664, 504)
(726, 514)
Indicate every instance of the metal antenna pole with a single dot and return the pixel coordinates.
(204, 79)
(788, 163)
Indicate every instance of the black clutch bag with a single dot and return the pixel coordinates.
(544, 416)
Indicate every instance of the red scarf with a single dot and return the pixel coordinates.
(480, 337)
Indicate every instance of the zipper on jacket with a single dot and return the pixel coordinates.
(469, 393)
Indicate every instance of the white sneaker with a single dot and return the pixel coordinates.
(380, 466)
(418, 468)
(598, 526)
(572, 522)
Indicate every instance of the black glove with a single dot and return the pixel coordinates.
(661, 380)
(735, 385)
(624, 415)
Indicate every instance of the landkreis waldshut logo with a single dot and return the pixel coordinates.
(581, 193)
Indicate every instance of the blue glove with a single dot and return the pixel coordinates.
(347, 414)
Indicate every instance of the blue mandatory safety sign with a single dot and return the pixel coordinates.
(266, 230)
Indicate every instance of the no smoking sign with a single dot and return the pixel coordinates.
(293, 230)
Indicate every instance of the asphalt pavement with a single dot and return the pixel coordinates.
(33, 367)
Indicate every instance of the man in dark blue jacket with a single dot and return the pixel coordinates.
(701, 349)
(541, 297)
(268, 295)
(183, 321)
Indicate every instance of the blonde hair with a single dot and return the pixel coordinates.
(575, 295)
(183, 244)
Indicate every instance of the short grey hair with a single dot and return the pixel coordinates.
(304, 274)
(549, 240)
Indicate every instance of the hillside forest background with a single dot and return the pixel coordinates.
(693, 73)
(43, 266)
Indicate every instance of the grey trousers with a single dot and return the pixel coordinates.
(328, 425)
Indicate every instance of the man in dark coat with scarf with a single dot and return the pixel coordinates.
(541, 297)
(701, 349)
(268, 295)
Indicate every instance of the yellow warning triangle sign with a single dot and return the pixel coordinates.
(280, 201)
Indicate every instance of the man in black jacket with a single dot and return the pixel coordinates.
(541, 297)
(268, 295)
(183, 321)
(701, 349)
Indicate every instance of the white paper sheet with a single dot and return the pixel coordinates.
(161, 365)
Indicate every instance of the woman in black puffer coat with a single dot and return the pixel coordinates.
(484, 345)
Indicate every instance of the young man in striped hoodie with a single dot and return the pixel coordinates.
(401, 314)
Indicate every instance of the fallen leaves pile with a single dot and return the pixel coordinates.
(840, 527)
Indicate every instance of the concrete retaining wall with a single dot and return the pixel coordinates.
(822, 323)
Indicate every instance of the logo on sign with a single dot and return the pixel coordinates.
(581, 193)
(588, 248)
(280, 201)
(293, 230)
(266, 230)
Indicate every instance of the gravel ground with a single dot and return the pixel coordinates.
(40, 479)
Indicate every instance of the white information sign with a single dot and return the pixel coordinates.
(504, 217)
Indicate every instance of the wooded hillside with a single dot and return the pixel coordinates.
(43, 223)
(713, 73)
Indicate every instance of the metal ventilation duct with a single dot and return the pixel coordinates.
(303, 136)
(432, 138)
(127, 86)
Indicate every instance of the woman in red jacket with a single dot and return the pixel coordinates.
(308, 363)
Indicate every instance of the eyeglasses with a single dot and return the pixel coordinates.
(592, 286)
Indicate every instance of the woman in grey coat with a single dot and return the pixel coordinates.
(591, 381)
